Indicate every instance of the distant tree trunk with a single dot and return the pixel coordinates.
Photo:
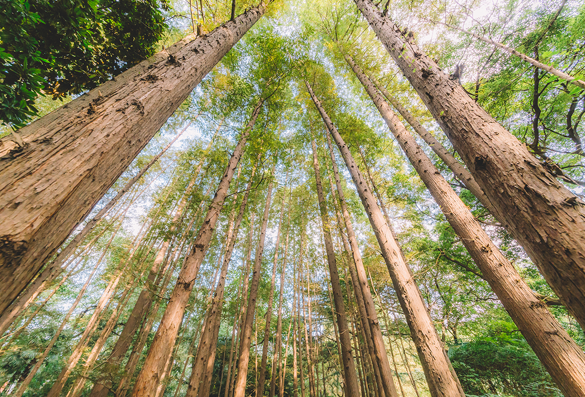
(207, 345)
(73, 155)
(284, 362)
(41, 360)
(295, 314)
(53, 269)
(544, 216)
(278, 345)
(188, 359)
(264, 363)
(350, 378)
(165, 337)
(308, 334)
(246, 335)
(442, 381)
(144, 302)
(363, 295)
(561, 356)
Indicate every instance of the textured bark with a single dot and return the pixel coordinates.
(349, 370)
(207, 345)
(145, 299)
(363, 295)
(544, 216)
(561, 356)
(246, 334)
(442, 381)
(268, 317)
(53, 269)
(167, 332)
(73, 155)
(450, 161)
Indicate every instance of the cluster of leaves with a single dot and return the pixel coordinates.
(61, 47)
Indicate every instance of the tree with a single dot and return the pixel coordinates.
(129, 113)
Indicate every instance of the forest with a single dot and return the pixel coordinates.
(311, 198)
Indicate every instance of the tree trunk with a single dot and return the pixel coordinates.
(165, 337)
(246, 335)
(561, 356)
(450, 161)
(53, 269)
(277, 353)
(144, 302)
(442, 381)
(208, 343)
(350, 378)
(73, 155)
(363, 294)
(544, 216)
(264, 364)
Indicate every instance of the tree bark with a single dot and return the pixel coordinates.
(561, 356)
(544, 216)
(278, 345)
(264, 364)
(442, 381)
(165, 337)
(363, 294)
(450, 161)
(208, 342)
(349, 370)
(73, 155)
(53, 269)
(144, 302)
(246, 335)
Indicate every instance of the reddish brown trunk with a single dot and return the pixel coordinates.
(364, 297)
(166, 335)
(264, 364)
(561, 356)
(53, 269)
(544, 216)
(350, 376)
(144, 302)
(72, 156)
(276, 358)
(246, 336)
(207, 345)
(442, 381)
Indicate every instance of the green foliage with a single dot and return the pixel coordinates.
(496, 368)
(60, 47)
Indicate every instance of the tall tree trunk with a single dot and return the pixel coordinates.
(295, 314)
(284, 362)
(246, 334)
(278, 345)
(73, 155)
(363, 295)
(350, 378)
(165, 337)
(145, 299)
(208, 343)
(450, 161)
(442, 380)
(264, 364)
(544, 216)
(308, 333)
(53, 269)
(561, 356)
